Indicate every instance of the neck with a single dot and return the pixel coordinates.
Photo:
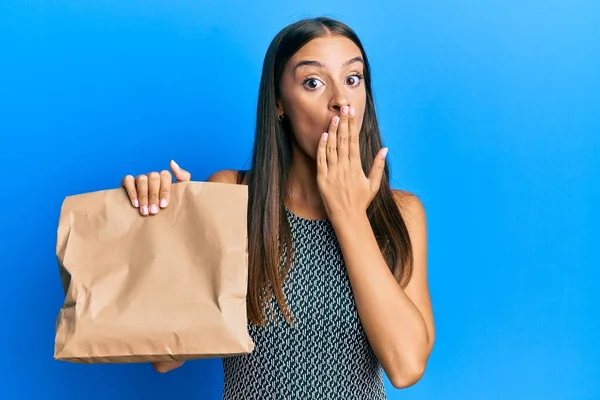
(303, 193)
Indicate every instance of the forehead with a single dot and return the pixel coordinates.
(332, 51)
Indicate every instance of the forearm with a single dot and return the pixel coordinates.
(393, 324)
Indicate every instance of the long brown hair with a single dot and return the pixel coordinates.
(269, 235)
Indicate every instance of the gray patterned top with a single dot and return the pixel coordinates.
(326, 355)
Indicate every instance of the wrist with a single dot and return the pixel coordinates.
(350, 223)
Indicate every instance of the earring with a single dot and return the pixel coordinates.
(281, 117)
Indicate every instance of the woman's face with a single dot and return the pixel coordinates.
(322, 77)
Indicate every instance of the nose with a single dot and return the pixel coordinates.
(338, 99)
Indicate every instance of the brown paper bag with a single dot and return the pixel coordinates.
(166, 287)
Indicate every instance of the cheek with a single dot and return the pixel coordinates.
(308, 122)
(307, 133)
(360, 118)
(360, 112)
(360, 122)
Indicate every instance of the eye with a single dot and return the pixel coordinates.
(354, 80)
(312, 83)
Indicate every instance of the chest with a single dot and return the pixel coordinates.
(318, 291)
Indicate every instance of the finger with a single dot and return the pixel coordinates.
(376, 173)
(165, 187)
(322, 155)
(180, 174)
(128, 184)
(141, 182)
(331, 146)
(342, 136)
(353, 138)
(153, 188)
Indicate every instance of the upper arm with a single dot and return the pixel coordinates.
(417, 289)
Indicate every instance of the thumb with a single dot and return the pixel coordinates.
(180, 174)
(376, 173)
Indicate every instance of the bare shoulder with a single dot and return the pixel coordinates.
(226, 176)
(411, 207)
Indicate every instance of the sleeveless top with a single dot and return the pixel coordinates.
(325, 355)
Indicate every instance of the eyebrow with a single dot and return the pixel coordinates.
(318, 64)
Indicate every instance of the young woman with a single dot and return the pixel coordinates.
(338, 280)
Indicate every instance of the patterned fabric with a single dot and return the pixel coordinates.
(326, 355)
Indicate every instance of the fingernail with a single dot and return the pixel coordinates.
(136, 203)
(336, 120)
(324, 136)
(153, 209)
(352, 111)
(175, 164)
(144, 210)
(345, 110)
(163, 203)
(384, 152)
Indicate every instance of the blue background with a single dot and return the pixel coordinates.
(490, 110)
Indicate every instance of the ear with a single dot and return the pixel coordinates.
(280, 109)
